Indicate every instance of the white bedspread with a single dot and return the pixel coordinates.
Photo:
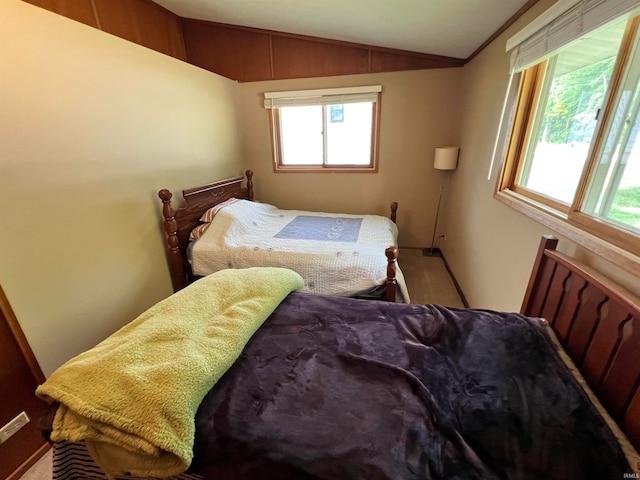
(244, 234)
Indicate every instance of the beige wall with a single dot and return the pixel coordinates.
(91, 127)
(490, 246)
(418, 114)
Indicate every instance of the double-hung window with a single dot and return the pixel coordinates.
(329, 130)
(573, 151)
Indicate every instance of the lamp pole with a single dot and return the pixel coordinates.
(435, 225)
(446, 158)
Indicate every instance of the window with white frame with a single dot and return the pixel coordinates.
(325, 130)
(573, 150)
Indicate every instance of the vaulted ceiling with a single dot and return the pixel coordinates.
(452, 28)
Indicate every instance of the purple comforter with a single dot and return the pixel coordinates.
(338, 388)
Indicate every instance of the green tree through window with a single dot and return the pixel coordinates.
(574, 101)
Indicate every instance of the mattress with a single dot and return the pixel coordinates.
(336, 254)
(340, 388)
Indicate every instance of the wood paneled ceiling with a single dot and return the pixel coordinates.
(451, 28)
(246, 53)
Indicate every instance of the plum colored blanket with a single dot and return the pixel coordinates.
(337, 388)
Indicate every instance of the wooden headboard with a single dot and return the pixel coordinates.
(598, 324)
(179, 223)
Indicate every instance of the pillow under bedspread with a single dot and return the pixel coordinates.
(338, 388)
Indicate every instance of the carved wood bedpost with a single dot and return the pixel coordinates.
(392, 259)
(174, 256)
(547, 242)
(249, 174)
(394, 211)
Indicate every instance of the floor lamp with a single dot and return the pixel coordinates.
(446, 158)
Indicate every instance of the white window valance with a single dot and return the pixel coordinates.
(326, 96)
(564, 22)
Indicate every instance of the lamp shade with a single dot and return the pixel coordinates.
(446, 158)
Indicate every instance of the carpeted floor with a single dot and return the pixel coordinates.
(42, 470)
(428, 280)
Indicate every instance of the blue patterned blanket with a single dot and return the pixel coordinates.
(332, 229)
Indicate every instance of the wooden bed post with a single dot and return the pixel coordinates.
(394, 211)
(174, 256)
(548, 242)
(249, 174)
(392, 259)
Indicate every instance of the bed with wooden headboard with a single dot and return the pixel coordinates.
(178, 223)
(597, 322)
(445, 392)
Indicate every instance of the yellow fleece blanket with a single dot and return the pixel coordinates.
(133, 397)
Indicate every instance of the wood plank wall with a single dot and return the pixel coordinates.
(141, 21)
(251, 54)
(240, 53)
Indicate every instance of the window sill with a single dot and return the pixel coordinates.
(559, 223)
(281, 169)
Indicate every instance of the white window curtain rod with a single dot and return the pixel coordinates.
(327, 96)
(564, 22)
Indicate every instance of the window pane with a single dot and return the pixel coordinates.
(301, 134)
(614, 190)
(576, 82)
(625, 198)
(349, 133)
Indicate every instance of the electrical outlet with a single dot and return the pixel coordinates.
(13, 426)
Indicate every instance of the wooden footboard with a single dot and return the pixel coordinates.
(391, 283)
(179, 223)
(598, 324)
